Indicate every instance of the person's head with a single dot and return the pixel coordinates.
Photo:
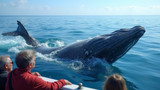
(25, 59)
(115, 82)
(6, 63)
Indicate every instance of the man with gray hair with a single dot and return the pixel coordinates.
(22, 79)
(5, 67)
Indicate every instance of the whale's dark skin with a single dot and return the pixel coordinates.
(108, 46)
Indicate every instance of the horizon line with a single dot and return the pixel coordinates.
(83, 15)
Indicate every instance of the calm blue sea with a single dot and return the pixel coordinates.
(140, 66)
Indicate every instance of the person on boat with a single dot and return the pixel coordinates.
(22, 79)
(115, 82)
(5, 67)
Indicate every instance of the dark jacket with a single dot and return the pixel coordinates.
(3, 79)
(24, 80)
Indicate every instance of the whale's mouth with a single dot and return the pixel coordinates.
(119, 51)
(120, 46)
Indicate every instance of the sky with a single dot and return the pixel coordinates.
(79, 7)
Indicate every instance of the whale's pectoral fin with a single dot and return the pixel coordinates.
(14, 33)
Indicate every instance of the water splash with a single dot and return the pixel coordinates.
(10, 41)
(45, 44)
(76, 65)
(59, 43)
(45, 57)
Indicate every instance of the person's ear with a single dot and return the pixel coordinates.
(5, 66)
(29, 65)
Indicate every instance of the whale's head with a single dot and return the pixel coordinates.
(115, 45)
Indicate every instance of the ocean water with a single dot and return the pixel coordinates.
(140, 66)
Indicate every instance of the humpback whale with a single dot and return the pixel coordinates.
(108, 46)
